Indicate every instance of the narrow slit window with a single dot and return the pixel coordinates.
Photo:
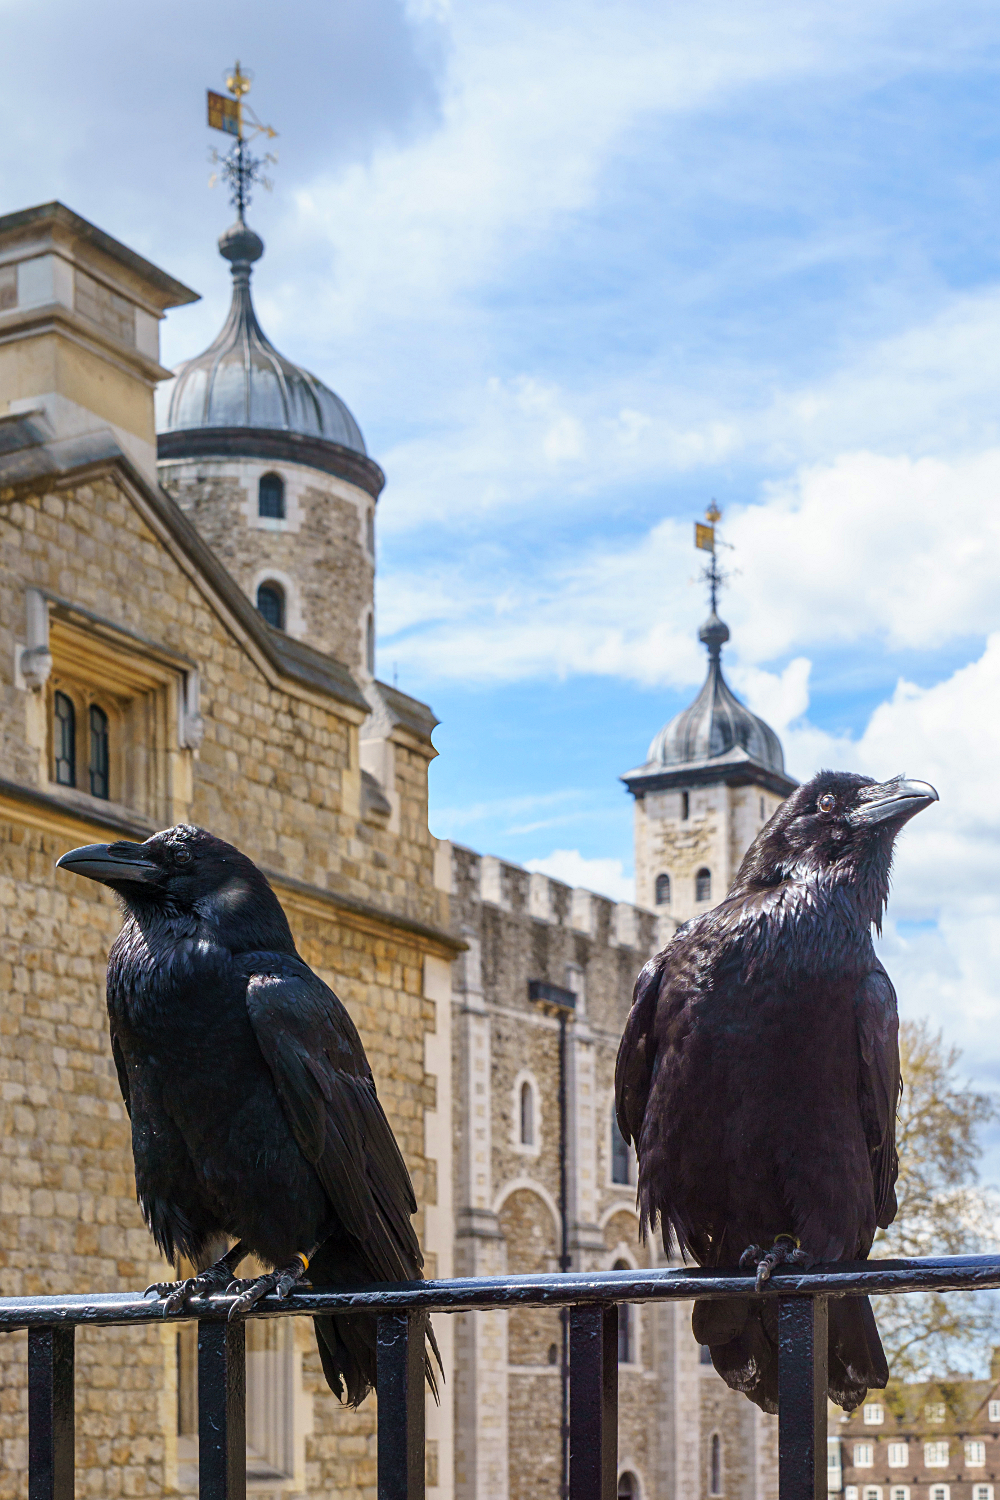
(527, 1115)
(100, 781)
(619, 1153)
(271, 497)
(703, 885)
(626, 1324)
(64, 737)
(628, 1487)
(663, 890)
(715, 1466)
(370, 645)
(271, 604)
(685, 805)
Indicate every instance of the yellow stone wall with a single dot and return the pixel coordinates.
(277, 773)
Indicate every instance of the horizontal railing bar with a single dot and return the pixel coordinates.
(950, 1273)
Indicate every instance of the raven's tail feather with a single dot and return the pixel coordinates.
(348, 1342)
(742, 1336)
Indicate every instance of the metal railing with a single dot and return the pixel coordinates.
(402, 1310)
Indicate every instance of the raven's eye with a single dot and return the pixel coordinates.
(827, 802)
(182, 856)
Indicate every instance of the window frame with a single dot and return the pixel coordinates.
(863, 1463)
(980, 1447)
(660, 899)
(715, 1485)
(102, 753)
(619, 1151)
(66, 725)
(272, 588)
(993, 1411)
(703, 885)
(894, 1447)
(268, 515)
(873, 1414)
(937, 1445)
(525, 1078)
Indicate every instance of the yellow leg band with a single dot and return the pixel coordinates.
(303, 1257)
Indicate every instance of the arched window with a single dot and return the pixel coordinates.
(271, 497)
(64, 739)
(370, 644)
(663, 890)
(620, 1160)
(527, 1114)
(715, 1466)
(100, 781)
(628, 1487)
(703, 885)
(271, 603)
(626, 1317)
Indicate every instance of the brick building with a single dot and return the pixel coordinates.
(936, 1440)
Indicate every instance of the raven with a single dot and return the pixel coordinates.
(253, 1107)
(758, 1075)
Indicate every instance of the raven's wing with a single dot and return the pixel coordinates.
(637, 1052)
(122, 1072)
(326, 1089)
(880, 1084)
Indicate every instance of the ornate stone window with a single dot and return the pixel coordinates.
(110, 712)
(663, 890)
(271, 603)
(271, 497)
(703, 885)
(715, 1465)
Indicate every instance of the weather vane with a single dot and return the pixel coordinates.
(233, 116)
(706, 540)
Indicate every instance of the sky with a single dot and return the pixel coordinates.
(579, 269)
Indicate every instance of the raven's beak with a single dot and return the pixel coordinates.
(111, 862)
(894, 801)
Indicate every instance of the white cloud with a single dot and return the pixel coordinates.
(605, 876)
(901, 551)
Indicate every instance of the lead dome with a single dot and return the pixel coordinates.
(241, 380)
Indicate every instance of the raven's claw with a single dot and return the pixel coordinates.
(281, 1282)
(214, 1279)
(785, 1251)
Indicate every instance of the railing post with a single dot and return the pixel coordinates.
(401, 1356)
(593, 1402)
(802, 1377)
(51, 1420)
(222, 1411)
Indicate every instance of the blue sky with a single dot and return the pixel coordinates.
(578, 269)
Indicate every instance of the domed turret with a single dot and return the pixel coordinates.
(242, 381)
(271, 467)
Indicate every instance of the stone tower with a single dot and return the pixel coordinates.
(713, 777)
(271, 467)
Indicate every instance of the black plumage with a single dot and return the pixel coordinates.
(759, 1074)
(254, 1111)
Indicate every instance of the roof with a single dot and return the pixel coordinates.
(30, 222)
(241, 381)
(716, 738)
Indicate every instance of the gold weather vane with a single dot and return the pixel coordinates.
(706, 540)
(232, 116)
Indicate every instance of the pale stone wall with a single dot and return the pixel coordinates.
(319, 553)
(721, 824)
(277, 773)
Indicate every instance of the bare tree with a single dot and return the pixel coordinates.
(942, 1211)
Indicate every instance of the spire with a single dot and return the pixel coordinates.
(715, 632)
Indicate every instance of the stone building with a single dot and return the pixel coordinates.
(713, 777)
(931, 1440)
(542, 957)
(186, 634)
(203, 659)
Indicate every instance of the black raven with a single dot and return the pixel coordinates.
(759, 1074)
(253, 1107)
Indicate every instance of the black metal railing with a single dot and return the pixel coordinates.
(402, 1310)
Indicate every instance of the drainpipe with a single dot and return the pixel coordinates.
(561, 1003)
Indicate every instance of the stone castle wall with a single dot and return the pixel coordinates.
(277, 773)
